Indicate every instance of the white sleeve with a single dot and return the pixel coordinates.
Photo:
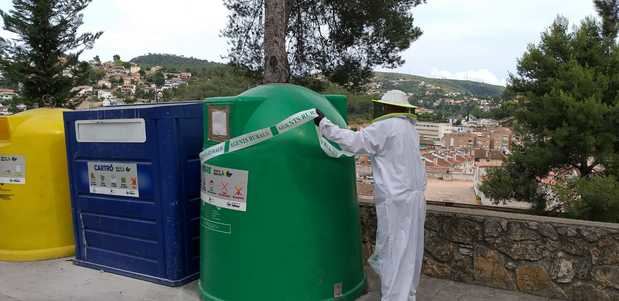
(370, 140)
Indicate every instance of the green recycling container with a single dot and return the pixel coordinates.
(293, 232)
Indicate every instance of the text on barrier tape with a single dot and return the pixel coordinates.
(261, 135)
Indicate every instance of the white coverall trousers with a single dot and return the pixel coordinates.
(400, 182)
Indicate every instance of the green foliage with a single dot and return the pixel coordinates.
(475, 88)
(84, 73)
(594, 199)
(46, 48)
(142, 94)
(507, 109)
(432, 117)
(173, 62)
(6, 83)
(518, 180)
(609, 11)
(118, 94)
(116, 81)
(157, 78)
(342, 39)
(88, 74)
(567, 116)
(570, 92)
(219, 81)
(499, 184)
(359, 104)
(239, 79)
(425, 91)
(208, 78)
(99, 74)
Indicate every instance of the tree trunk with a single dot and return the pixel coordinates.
(276, 68)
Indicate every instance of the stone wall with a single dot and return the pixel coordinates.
(549, 257)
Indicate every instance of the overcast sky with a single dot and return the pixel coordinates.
(474, 39)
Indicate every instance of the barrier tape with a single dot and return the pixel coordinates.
(252, 138)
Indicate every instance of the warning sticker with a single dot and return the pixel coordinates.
(120, 179)
(12, 169)
(224, 187)
(337, 290)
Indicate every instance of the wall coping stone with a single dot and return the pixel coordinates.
(509, 215)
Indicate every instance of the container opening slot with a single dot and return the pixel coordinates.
(111, 131)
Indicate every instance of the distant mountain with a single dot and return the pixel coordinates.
(171, 61)
(387, 81)
(419, 85)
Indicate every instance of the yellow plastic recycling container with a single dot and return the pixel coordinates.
(35, 206)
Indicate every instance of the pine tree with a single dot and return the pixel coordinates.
(44, 58)
(341, 39)
(609, 11)
(276, 69)
(568, 118)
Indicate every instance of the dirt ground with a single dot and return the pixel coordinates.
(451, 191)
(437, 190)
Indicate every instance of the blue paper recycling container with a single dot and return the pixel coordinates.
(135, 188)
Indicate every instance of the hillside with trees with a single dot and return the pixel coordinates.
(173, 62)
(387, 81)
(216, 79)
(418, 85)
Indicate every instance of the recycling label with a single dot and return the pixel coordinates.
(224, 187)
(12, 169)
(112, 178)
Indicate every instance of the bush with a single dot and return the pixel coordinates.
(595, 198)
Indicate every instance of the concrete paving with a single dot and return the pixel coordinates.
(60, 280)
(432, 289)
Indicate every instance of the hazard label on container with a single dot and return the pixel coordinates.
(112, 178)
(12, 169)
(224, 187)
(337, 290)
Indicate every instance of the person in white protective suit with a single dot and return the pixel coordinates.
(392, 143)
